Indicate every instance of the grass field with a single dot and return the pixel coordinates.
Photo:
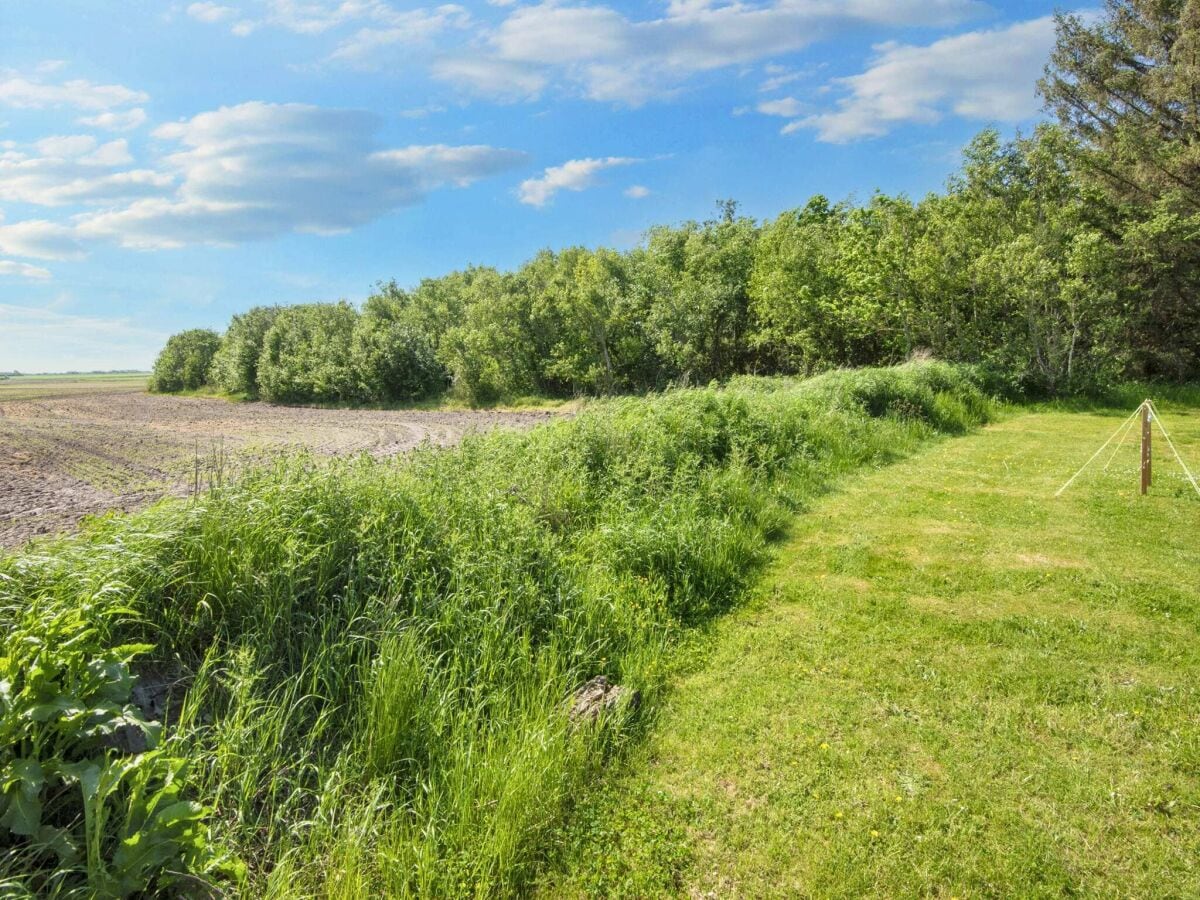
(951, 684)
(45, 387)
(367, 667)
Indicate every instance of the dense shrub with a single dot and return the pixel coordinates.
(183, 364)
(307, 355)
(393, 356)
(379, 656)
(235, 366)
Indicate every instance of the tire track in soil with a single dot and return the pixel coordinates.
(69, 457)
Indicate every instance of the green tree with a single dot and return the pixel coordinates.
(393, 356)
(183, 364)
(820, 286)
(235, 366)
(488, 353)
(1126, 86)
(307, 355)
(694, 281)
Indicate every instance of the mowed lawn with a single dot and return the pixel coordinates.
(952, 685)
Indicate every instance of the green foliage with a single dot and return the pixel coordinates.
(1010, 269)
(381, 654)
(75, 813)
(235, 366)
(307, 355)
(392, 355)
(183, 364)
(1124, 86)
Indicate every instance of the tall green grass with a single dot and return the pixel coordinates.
(377, 658)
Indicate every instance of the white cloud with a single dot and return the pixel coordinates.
(23, 270)
(114, 153)
(610, 57)
(983, 75)
(259, 170)
(380, 24)
(779, 76)
(211, 12)
(23, 93)
(788, 107)
(573, 175)
(421, 112)
(39, 339)
(317, 16)
(40, 239)
(72, 169)
(65, 146)
(637, 191)
(499, 79)
(412, 27)
(116, 121)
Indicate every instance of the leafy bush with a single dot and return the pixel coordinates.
(393, 357)
(381, 655)
(76, 814)
(235, 365)
(306, 355)
(183, 364)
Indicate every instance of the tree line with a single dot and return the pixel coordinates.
(1057, 262)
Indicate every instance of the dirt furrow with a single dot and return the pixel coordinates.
(68, 457)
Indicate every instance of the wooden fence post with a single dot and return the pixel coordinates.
(1146, 446)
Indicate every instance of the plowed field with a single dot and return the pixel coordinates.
(71, 452)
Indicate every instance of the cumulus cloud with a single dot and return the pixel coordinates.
(211, 12)
(40, 239)
(126, 120)
(637, 191)
(74, 169)
(82, 94)
(258, 170)
(573, 175)
(411, 27)
(380, 25)
(788, 107)
(984, 75)
(23, 270)
(610, 57)
(499, 79)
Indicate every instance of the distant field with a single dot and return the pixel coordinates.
(42, 387)
(77, 445)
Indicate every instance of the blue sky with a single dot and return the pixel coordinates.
(163, 165)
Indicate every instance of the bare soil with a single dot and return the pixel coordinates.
(66, 457)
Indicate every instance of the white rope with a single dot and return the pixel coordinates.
(1101, 450)
(1121, 443)
(1171, 444)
